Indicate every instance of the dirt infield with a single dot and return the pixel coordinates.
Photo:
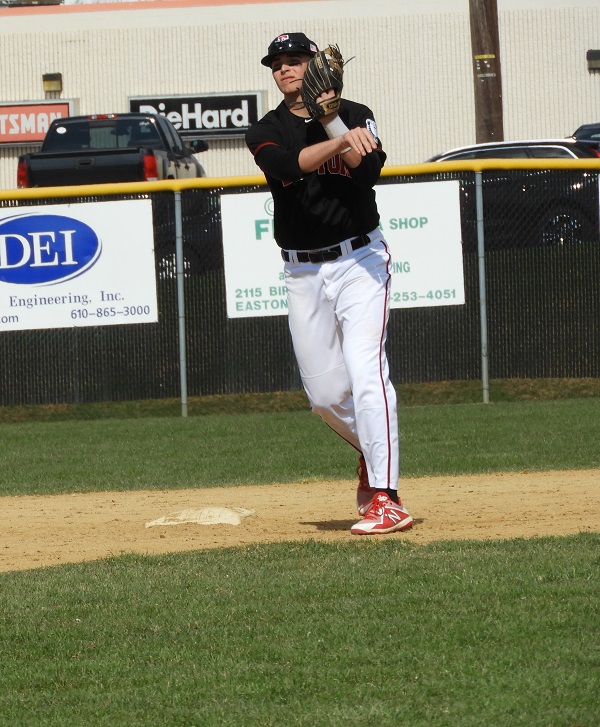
(45, 531)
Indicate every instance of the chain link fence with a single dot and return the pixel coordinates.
(542, 273)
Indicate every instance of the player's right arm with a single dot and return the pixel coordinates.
(278, 163)
(353, 145)
(272, 152)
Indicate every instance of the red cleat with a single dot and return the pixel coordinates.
(383, 516)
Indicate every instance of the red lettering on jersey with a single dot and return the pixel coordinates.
(335, 165)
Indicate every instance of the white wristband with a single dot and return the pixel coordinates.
(336, 127)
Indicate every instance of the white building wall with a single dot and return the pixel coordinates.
(412, 65)
(547, 88)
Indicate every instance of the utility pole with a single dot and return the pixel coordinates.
(485, 47)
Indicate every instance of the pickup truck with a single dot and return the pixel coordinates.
(110, 148)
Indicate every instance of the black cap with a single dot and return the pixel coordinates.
(289, 43)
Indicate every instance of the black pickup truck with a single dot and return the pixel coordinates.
(110, 148)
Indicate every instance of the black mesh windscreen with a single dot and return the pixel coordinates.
(542, 278)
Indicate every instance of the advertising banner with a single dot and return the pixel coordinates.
(72, 265)
(27, 123)
(420, 222)
(214, 116)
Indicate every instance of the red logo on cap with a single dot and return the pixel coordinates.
(281, 38)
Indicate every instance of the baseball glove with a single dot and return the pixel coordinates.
(325, 71)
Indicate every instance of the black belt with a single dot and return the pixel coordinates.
(327, 255)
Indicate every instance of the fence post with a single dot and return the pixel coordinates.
(485, 378)
(179, 267)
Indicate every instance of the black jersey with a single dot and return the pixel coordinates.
(319, 208)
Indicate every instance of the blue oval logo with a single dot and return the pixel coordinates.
(45, 248)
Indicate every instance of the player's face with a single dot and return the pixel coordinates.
(288, 71)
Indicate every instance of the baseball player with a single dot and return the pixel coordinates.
(321, 156)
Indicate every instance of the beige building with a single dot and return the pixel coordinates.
(412, 64)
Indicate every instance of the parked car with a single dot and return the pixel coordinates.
(530, 208)
(110, 148)
(588, 131)
(534, 149)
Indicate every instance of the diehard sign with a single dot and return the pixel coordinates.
(28, 122)
(420, 222)
(212, 115)
(73, 265)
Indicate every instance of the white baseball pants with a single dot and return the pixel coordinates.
(338, 315)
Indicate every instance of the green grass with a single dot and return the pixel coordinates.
(372, 632)
(422, 394)
(234, 449)
(367, 633)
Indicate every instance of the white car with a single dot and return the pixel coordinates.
(534, 149)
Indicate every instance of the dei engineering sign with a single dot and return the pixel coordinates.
(217, 116)
(75, 265)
